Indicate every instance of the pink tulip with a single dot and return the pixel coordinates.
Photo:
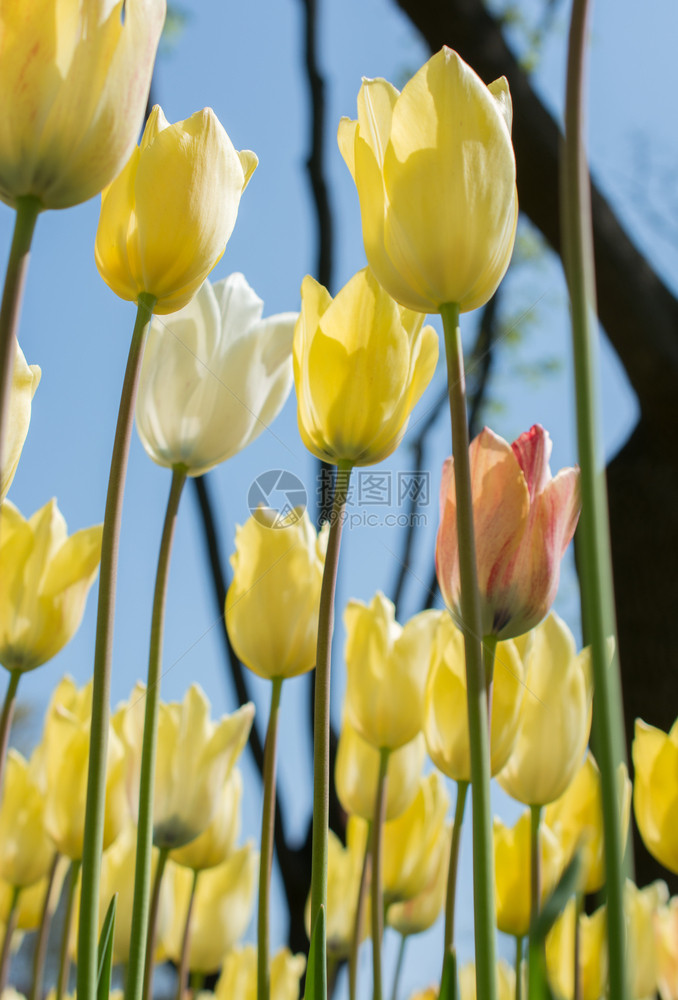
(524, 520)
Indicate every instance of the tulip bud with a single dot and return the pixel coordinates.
(277, 575)
(166, 219)
(411, 841)
(361, 362)
(524, 520)
(655, 794)
(357, 770)
(436, 177)
(215, 844)
(214, 375)
(25, 380)
(43, 585)
(26, 850)
(74, 84)
(512, 872)
(386, 667)
(555, 715)
(445, 713)
(418, 914)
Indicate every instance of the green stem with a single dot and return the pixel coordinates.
(519, 969)
(40, 952)
(462, 789)
(577, 978)
(489, 653)
(144, 850)
(483, 860)
(594, 534)
(197, 981)
(266, 855)
(321, 733)
(64, 960)
(103, 651)
(10, 927)
(359, 915)
(6, 720)
(399, 967)
(27, 211)
(163, 855)
(377, 887)
(186, 941)
(535, 866)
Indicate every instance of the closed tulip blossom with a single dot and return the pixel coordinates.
(25, 380)
(74, 84)
(195, 756)
(555, 715)
(386, 665)
(26, 850)
(418, 914)
(655, 793)
(214, 376)
(512, 871)
(666, 939)
(217, 841)
(445, 723)
(361, 362)
(524, 520)
(592, 954)
(46, 576)
(356, 772)
(411, 841)
(436, 177)
(277, 575)
(166, 219)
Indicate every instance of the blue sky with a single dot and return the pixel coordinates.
(244, 60)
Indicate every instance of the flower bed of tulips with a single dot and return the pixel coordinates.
(132, 816)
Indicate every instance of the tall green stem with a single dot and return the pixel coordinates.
(489, 654)
(103, 652)
(40, 952)
(462, 789)
(519, 968)
(535, 865)
(10, 927)
(321, 729)
(266, 855)
(27, 211)
(163, 855)
(596, 564)
(64, 960)
(399, 967)
(6, 720)
(377, 887)
(182, 975)
(483, 859)
(359, 915)
(144, 853)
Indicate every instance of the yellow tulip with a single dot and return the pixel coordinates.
(62, 763)
(356, 773)
(74, 83)
(411, 842)
(361, 362)
(386, 667)
(666, 942)
(416, 915)
(25, 380)
(640, 907)
(215, 844)
(655, 793)
(445, 717)
(31, 899)
(277, 574)
(222, 907)
(344, 869)
(436, 177)
(506, 980)
(166, 219)
(592, 954)
(577, 820)
(26, 850)
(512, 871)
(195, 756)
(43, 585)
(239, 975)
(555, 715)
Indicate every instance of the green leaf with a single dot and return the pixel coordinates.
(105, 962)
(316, 972)
(448, 983)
